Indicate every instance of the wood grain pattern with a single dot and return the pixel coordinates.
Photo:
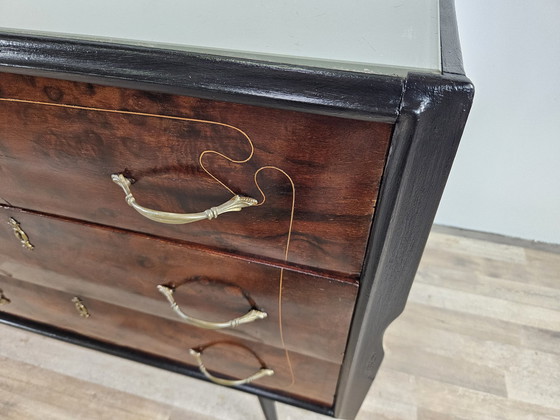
(407, 387)
(364, 96)
(55, 397)
(315, 379)
(124, 269)
(59, 160)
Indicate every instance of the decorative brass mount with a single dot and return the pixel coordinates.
(236, 203)
(20, 234)
(80, 307)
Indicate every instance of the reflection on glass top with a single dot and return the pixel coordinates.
(378, 36)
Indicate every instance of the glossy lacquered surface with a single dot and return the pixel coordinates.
(125, 269)
(322, 33)
(314, 380)
(58, 154)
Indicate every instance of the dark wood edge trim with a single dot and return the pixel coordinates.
(423, 146)
(306, 89)
(147, 359)
(451, 56)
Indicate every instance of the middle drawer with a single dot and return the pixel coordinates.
(125, 268)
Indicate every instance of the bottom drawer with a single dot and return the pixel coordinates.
(299, 376)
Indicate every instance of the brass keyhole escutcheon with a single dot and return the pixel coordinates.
(80, 307)
(3, 299)
(20, 234)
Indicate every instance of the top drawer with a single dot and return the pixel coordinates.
(61, 141)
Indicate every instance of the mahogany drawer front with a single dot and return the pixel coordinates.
(61, 141)
(125, 269)
(314, 379)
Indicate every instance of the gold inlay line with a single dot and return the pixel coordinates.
(236, 161)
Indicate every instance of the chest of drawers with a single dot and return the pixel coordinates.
(245, 222)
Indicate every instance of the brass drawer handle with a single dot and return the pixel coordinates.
(20, 234)
(234, 204)
(252, 315)
(262, 372)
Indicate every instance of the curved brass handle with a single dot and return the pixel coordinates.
(234, 204)
(252, 315)
(262, 372)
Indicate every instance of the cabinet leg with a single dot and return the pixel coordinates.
(268, 408)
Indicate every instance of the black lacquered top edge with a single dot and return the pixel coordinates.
(305, 89)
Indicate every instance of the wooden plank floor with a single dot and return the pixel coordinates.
(479, 339)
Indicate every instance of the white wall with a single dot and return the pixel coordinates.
(506, 177)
